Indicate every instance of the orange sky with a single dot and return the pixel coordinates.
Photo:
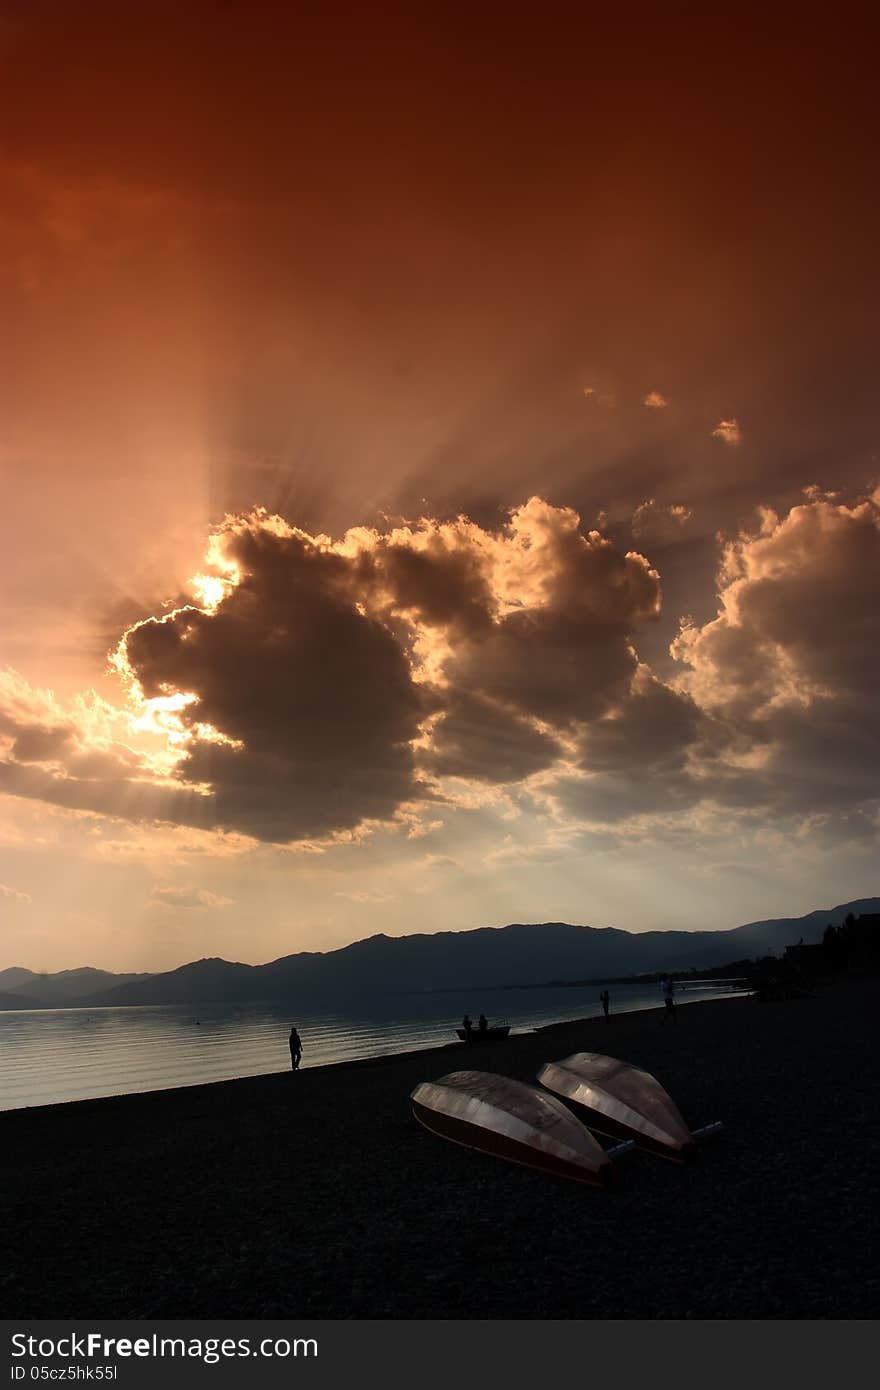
(355, 268)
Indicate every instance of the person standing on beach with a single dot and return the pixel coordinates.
(296, 1049)
(668, 999)
(605, 998)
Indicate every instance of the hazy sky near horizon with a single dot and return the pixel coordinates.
(440, 465)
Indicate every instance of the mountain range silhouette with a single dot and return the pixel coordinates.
(485, 957)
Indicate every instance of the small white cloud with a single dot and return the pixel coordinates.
(604, 398)
(652, 521)
(814, 493)
(439, 861)
(12, 895)
(360, 896)
(423, 828)
(655, 401)
(728, 430)
(188, 898)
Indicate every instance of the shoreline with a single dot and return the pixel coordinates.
(374, 1059)
(317, 1194)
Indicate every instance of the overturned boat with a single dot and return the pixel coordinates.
(624, 1102)
(511, 1120)
(495, 1032)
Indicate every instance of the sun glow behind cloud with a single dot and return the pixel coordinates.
(196, 329)
(477, 689)
(325, 688)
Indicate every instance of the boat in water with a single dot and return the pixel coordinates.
(624, 1102)
(511, 1120)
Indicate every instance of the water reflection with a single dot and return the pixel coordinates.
(73, 1054)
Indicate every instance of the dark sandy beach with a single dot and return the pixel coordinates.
(317, 1194)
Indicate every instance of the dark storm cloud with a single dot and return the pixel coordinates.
(479, 740)
(776, 714)
(552, 666)
(561, 650)
(318, 695)
(322, 664)
(37, 728)
(639, 760)
(791, 662)
(43, 742)
(140, 800)
(35, 744)
(441, 584)
(653, 728)
(607, 799)
(330, 684)
(798, 615)
(304, 668)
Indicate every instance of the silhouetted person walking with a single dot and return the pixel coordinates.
(668, 999)
(605, 997)
(482, 1023)
(467, 1024)
(296, 1049)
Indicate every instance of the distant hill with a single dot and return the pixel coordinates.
(487, 957)
(17, 1001)
(201, 981)
(766, 937)
(64, 987)
(15, 976)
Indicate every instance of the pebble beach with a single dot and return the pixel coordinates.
(317, 1195)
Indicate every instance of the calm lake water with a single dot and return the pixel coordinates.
(49, 1055)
